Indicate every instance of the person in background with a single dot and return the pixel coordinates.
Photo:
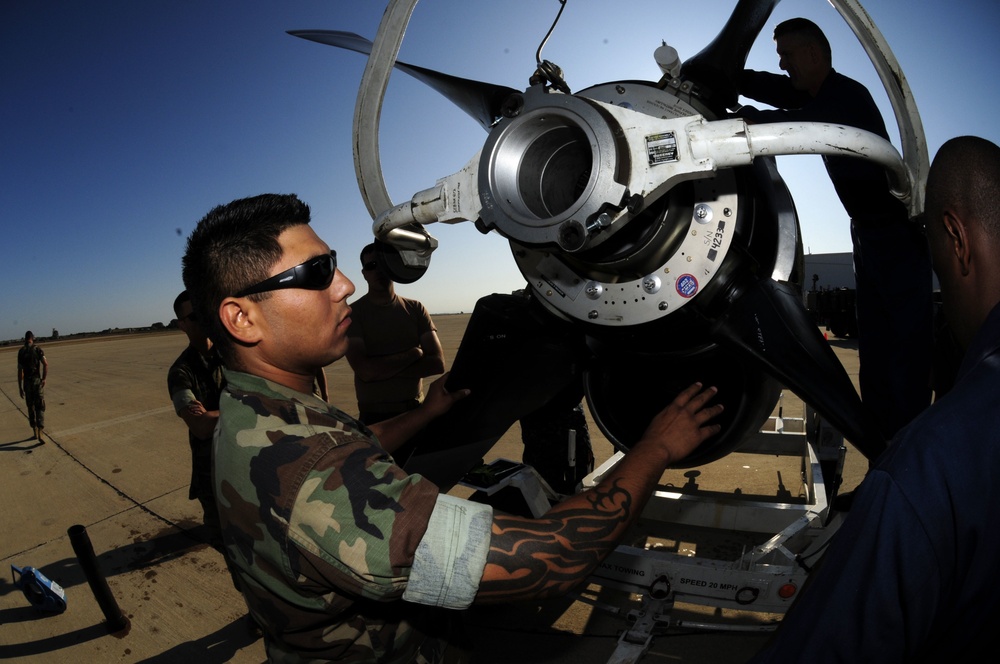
(341, 555)
(556, 440)
(393, 345)
(32, 371)
(892, 265)
(911, 574)
(194, 382)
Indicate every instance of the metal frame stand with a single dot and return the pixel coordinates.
(787, 537)
(766, 577)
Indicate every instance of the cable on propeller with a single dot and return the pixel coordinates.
(549, 71)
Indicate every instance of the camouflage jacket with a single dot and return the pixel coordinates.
(193, 377)
(29, 360)
(327, 535)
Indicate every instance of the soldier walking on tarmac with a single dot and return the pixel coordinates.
(32, 370)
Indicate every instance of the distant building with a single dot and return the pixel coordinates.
(828, 292)
(828, 271)
(832, 271)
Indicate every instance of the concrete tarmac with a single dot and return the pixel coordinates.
(114, 459)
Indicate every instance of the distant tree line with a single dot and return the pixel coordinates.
(155, 327)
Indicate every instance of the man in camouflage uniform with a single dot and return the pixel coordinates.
(341, 555)
(194, 382)
(32, 370)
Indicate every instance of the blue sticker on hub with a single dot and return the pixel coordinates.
(687, 285)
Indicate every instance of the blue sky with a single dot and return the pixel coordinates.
(123, 122)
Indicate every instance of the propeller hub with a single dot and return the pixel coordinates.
(551, 180)
(551, 171)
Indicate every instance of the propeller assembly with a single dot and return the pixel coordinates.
(659, 243)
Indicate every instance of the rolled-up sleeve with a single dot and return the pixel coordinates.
(182, 398)
(449, 562)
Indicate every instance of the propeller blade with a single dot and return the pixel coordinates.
(767, 322)
(716, 68)
(481, 101)
(626, 388)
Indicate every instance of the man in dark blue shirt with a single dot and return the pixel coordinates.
(891, 263)
(912, 574)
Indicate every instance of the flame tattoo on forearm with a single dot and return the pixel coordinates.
(533, 558)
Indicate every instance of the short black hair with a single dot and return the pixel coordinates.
(807, 29)
(29, 335)
(965, 175)
(233, 247)
(181, 298)
(368, 248)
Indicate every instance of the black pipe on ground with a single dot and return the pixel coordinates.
(84, 550)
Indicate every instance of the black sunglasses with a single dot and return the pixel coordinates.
(193, 317)
(369, 266)
(315, 274)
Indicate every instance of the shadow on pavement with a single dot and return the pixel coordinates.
(215, 648)
(48, 644)
(170, 544)
(167, 545)
(25, 445)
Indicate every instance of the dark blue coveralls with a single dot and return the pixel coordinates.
(892, 265)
